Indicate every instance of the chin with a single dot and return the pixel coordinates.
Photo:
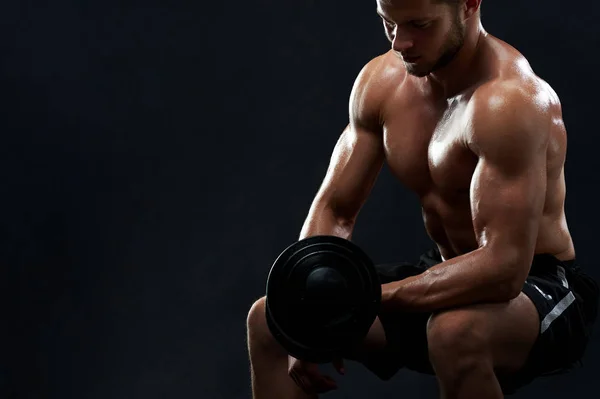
(417, 70)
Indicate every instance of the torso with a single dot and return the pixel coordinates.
(426, 149)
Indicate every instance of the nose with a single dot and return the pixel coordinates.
(401, 42)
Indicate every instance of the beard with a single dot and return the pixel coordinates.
(451, 47)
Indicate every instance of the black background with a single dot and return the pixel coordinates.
(157, 156)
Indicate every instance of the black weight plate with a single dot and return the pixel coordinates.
(294, 319)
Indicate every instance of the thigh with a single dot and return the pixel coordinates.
(509, 331)
(505, 331)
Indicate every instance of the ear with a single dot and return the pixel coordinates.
(470, 7)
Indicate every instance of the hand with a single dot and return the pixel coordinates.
(309, 378)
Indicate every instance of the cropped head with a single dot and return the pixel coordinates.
(425, 34)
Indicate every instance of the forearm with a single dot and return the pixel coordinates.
(478, 276)
(322, 220)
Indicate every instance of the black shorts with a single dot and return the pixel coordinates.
(565, 297)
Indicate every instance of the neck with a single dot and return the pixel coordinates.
(458, 74)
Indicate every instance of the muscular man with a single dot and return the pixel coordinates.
(463, 121)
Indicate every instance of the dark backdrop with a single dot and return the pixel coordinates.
(157, 156)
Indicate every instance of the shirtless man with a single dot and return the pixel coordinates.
(464, 122)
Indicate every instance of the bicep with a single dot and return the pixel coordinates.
(508, 188)
(507, 200)
(358, 154)
(353, 168)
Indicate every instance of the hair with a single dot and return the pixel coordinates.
(454, 4)
(449, 2)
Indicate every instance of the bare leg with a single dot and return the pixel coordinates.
(467, 345)
(268, 361)
(473, 381)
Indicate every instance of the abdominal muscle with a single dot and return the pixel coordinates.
(449, 227)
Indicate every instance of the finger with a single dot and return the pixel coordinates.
(331, 383)
(305, 384)
(325, 384)
(339, 365)
(299, 382)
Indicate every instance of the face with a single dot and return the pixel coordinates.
(425, 35)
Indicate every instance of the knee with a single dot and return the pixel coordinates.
(458, 338)
(256, 313)
(259, 334)
(256, 322)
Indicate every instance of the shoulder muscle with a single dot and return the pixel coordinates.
(368, 94)
(510, 122)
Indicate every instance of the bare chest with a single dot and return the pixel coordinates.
(426, 148)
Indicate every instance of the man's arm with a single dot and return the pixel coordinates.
(509, 135)
(355, 163)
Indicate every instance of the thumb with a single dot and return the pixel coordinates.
(338, 363)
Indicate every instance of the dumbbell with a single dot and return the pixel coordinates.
(322, 296)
